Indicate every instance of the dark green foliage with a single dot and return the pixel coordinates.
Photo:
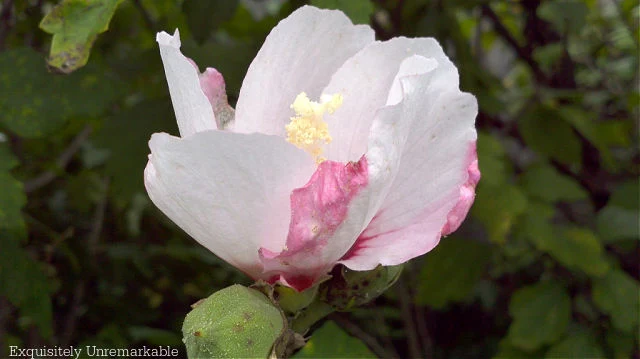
(546, 265)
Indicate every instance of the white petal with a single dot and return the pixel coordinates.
(387, 137)
(433, 168)
(299, 55)
(229, 191)
(193, 110)
(365, 81)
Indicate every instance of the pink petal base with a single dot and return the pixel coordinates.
(317, 210)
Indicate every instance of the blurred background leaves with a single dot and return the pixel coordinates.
(546, 265)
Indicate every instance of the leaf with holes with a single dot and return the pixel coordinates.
(75, 24)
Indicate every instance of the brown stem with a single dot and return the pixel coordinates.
(92, 248)
(5, 21)
(148, 20)
(63, 160)
(504, 33)
(407, 318)
(368, 339)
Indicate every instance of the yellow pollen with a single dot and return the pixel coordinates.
(307, 129)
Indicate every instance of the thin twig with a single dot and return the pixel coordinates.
(423, 332)
(386, 339)
(148, 20)
(62, 162)
(407, 318)
(92, 248)
(5, 21)
(368, 339)
(5, 314)
(509, 39)
(98, 220)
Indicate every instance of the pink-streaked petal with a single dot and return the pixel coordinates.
(229, 191)
(387, 137)
(433, 168)
(192, 108)
(365, 82)
(299, 55)
(317, 210)
(467, 194)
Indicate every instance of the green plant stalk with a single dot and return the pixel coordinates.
(309, 316)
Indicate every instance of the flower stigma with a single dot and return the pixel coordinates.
(307, 129)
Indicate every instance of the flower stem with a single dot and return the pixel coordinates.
(313, 313)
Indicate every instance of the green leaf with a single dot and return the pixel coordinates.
(577, 248)
(626, 195)
(546, 183)
(547, 56)
(451, 271)
(600, 134)
(23, 282)
(494, 166)
(498, 208)
(506, 350)
(12, 197)
(75, 24)
(536, 224)
(616, 223)
(618, 220)
(579, 344)
(21, 278)
(35, 103)
(565, 15)
(205, 16)
(621, 344)
(330, 341)
(359, 11)
(126, 136)
(235, 322)
(541, 313)
(547, 133)
(616, 294)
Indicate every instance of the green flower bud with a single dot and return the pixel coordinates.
(348, 288)
(292, 301)
(235, 322)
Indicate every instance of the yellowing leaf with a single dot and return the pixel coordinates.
(75, 24)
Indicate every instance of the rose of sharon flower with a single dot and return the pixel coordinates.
(342, 149)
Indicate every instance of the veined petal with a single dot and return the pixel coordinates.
(299, 55)
(229, 191)
(365, 82)
(193, 110)
(433, 169)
